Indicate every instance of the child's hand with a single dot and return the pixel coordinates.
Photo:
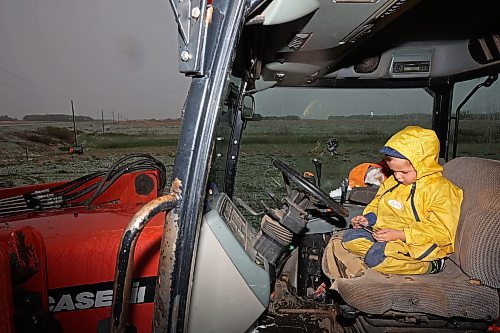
(359, 221)
(387, 235)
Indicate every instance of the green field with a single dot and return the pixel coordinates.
(296, 142)
(37, 152)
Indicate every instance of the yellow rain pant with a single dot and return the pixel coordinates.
(384, 257)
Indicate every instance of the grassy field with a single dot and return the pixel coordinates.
(31, 155)
(296, 142)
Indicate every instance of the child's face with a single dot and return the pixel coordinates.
(403, 170)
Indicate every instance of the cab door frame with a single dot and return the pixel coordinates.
(224, 20)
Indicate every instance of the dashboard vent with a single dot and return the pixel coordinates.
(366, 29)
(240, 228)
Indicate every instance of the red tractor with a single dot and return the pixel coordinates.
(135, 250)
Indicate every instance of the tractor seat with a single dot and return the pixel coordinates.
(467, 287)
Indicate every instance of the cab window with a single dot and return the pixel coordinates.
(340, 128)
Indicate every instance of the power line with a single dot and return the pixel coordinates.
(41, 87)
(33, 83)
(32, 94)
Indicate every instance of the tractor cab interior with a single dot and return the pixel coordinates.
(399, 49)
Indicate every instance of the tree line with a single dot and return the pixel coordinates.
(47, 117)
(55, 117)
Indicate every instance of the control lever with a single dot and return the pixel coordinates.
(277, 201)
(344, 185)
(272, 212)
(317, 166)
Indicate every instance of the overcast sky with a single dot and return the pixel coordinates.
(114, 55)
(321, 103)
(121, 56)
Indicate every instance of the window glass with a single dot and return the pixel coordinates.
(299, 125)
(479, 120)
(218, 165)
(223, 136)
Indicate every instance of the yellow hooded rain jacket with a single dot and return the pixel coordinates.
(427, 210)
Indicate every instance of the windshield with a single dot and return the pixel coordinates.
(343, 128)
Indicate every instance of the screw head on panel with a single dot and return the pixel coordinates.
(185, 56)
(195, 12)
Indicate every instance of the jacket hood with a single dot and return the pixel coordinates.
(420, 146)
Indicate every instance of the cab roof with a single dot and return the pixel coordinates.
(351, 43)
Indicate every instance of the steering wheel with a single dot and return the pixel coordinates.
(312, 189)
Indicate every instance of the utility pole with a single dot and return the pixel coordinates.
(113, 114)
(102, 118)
(74, 122)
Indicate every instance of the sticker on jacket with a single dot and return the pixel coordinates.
(395, 204)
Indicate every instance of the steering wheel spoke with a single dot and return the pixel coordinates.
(292, 175)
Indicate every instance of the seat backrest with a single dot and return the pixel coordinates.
(477, 243)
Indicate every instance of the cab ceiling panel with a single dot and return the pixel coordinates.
(290, 37)
(463, 40)
(332, 22)
(421, 59)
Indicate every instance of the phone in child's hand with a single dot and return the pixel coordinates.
(367, 228)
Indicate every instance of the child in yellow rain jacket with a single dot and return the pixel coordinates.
(410, 226)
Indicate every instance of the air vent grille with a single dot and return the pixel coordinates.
(486, 49)
(392, 9)
(299, 40)
(368, 27)
(242, 230)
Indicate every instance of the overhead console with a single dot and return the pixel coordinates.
(298, 44)
(418, 62)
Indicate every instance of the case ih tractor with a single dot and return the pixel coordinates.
(133, 249)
